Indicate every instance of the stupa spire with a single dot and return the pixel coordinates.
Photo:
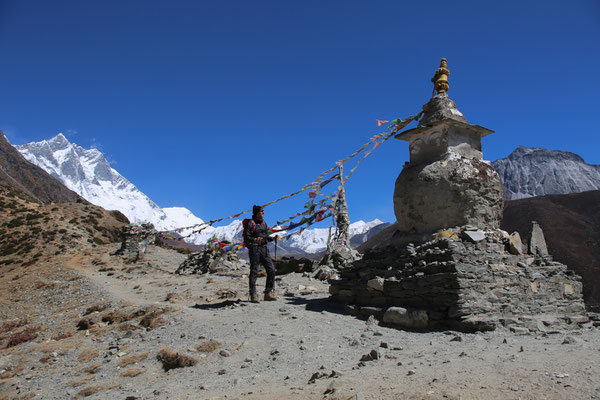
(440, 79)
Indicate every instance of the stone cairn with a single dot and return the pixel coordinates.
(448, 265)
(134, 239)
(210, 260)
(339, 254)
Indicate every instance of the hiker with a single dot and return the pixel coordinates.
(256, 237)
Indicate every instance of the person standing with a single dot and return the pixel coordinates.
(256, 236)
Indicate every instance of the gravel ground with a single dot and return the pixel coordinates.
(299, 347)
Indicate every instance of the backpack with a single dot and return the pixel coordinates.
(244, 224)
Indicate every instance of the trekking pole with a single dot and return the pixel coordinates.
(276, 248)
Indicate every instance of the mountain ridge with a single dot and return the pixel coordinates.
(532, 171)
(33, 182)
(89, 174)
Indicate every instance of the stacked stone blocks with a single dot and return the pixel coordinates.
(463, 285)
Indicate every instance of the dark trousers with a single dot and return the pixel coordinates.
(260, 255)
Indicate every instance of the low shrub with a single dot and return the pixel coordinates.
(207, 346)
(171, 360)
(26, 336)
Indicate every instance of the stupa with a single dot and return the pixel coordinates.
(447, 263)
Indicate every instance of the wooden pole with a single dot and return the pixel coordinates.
(342, 218)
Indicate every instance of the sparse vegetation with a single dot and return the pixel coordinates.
(15, 223)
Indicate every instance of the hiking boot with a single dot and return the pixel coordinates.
(254, 298)
(269, 296)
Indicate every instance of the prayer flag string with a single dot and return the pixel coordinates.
(316, 186)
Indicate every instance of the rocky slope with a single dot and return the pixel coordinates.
(528, 172)
(31, 232)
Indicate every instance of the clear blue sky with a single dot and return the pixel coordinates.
(216, 105)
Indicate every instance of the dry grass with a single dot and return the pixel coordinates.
(88, 355)
(171, 359)
(132, 359)
(131, 372)
(92, 369)
(80, 382)
(90, 390)
(208, 346)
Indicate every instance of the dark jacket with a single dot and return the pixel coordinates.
(256, 233)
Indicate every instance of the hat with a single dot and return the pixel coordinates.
(256, 209)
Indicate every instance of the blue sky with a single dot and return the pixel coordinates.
(218, 105)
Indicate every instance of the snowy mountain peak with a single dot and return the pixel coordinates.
(89, 174)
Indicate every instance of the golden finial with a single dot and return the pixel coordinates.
(440, 79)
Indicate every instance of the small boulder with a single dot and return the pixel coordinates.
(537, 243)
(474, 236)
(515, 246)
(376, 284)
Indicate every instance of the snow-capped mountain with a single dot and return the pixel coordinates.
(528, 172)
(310, 241)
(88, 173)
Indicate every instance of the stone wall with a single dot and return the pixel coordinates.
(466, 280)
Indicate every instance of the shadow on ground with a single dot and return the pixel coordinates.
(316, 305)
(214, 306)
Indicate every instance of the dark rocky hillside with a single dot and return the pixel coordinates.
(32, 181)
(571, 224)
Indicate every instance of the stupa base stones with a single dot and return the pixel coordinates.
(465, 279)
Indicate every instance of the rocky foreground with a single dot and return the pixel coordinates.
(88, 324)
